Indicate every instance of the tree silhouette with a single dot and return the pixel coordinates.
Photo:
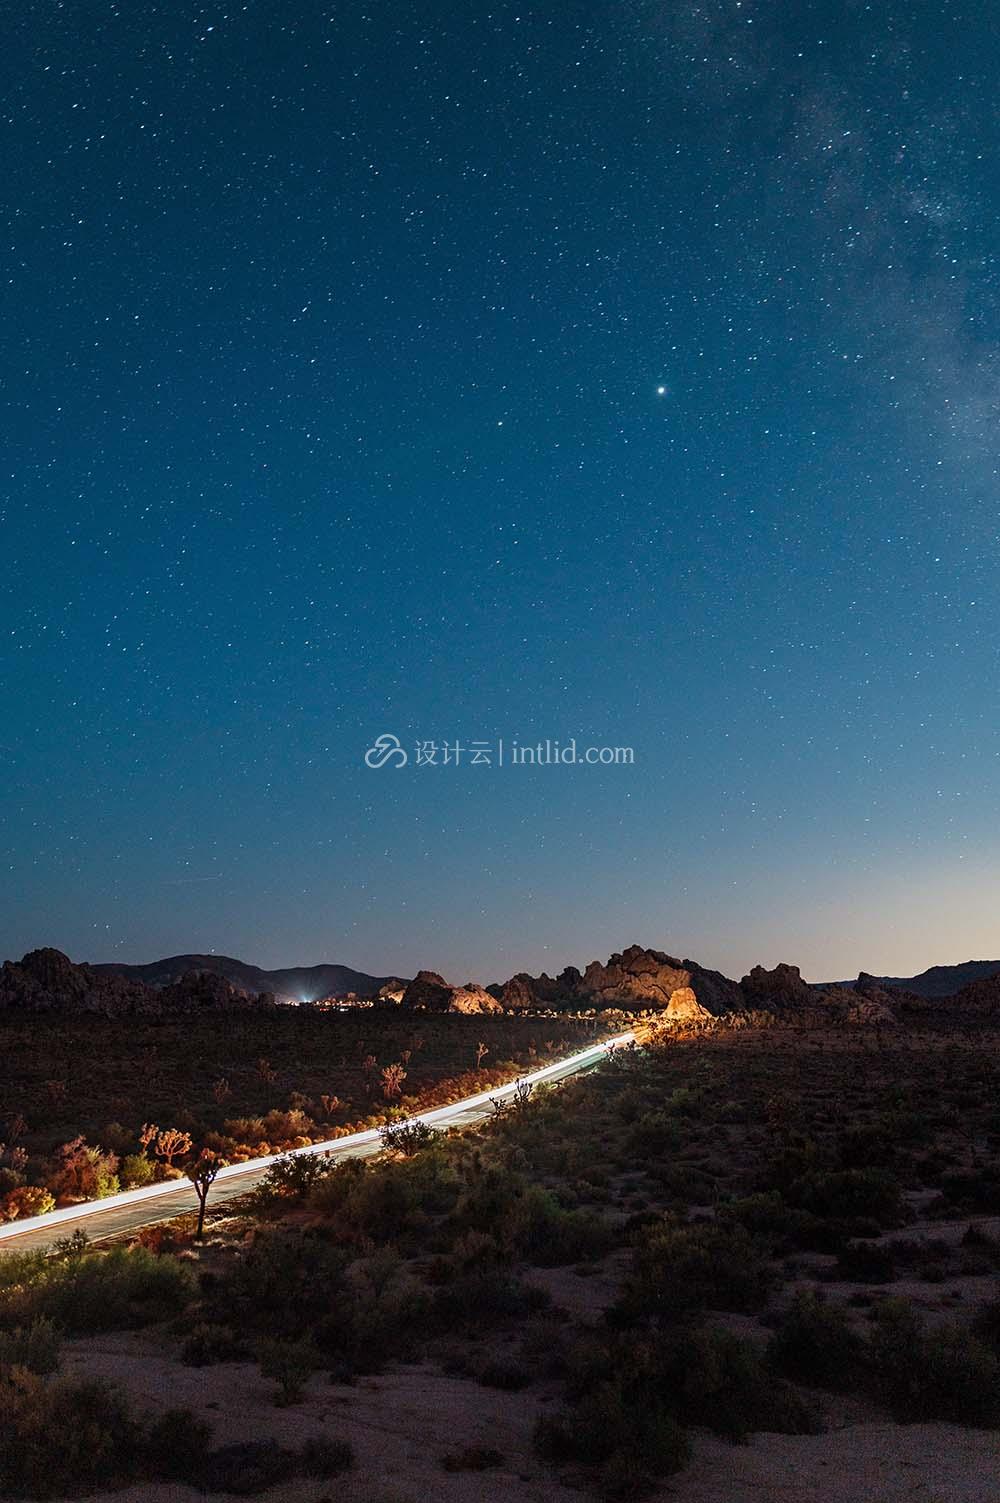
(203, 1172)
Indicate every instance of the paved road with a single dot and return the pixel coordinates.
(132, 1210)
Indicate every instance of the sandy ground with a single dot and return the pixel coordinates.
(402, 1423)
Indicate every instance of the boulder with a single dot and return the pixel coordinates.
(428, 989)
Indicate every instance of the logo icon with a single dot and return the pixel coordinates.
(383, 749)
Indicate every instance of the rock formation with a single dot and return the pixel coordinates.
(47, 980)
(431, 991)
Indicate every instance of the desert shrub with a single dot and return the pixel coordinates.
(117, 1290)
(26, 1200)
(247, 1468)
(816, 1343)
(686, 1101)
(654, 1134)
(943, 1373)
(480, 1296)
(769, 1219)
(679, 1269)
(799, 1156)
(136, 1170)
(209, 1342)
(394, 1201)
(383, 1312)
(283, 1127)
(292, 1177)
(84, 1173)
(866, 1263)
(549, 1236)
(867, 1145)
(35, 1347)
(717, 1380)
(407, 1138)
(176, 1446)
(283, 1283)
(18, 1269)
(10, 1179)
(322, 1457)
(973, 1189)
(61, 1437)
(289, 1364)
(609, 1430)
(849, 1195)
(332, 1191)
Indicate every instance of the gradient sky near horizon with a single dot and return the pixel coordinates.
(626, 373)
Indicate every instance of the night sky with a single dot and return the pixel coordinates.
(625, 372)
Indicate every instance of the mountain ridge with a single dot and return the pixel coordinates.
(288, 983)
(936, 981)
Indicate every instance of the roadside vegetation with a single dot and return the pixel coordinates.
(111, 1104)
(766, 1220)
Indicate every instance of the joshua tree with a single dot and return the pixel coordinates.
(168, 1143)
(392, 1082)
(202, 1172)
(522, 1095)
(267, 1075)
(481, 1052)
(221, 1090)
(369, 1066)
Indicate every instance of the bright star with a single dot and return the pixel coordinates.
(661, 391)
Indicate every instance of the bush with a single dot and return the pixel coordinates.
(717, 1380)
(849, 1195)
(19, 1269)
(866, 1263)
(283, 1283)
(407, 1138)
(26, 1200)
(62, 1437)
(609, 1429)
(945, 1373)
(208, 1343)
(322, 1457)
(479, 1296)
(549, 1236)
(176, 1446)
(292, 1177)
(136, 1170)
(289, 1364)
(654, 1134)
(113, 1291)
(816, 1343)
(35, 1347)
(247, 1468)
(681, 1269)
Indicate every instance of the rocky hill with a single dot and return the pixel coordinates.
(47, 980)
(429, 990)
(292, 984)
(633, 980)
(937, 981)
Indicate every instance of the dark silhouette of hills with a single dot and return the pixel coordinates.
(292, 984)
(938, 980)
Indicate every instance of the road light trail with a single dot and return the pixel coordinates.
(133, 1209)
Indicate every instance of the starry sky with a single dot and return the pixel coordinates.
(467, 373)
